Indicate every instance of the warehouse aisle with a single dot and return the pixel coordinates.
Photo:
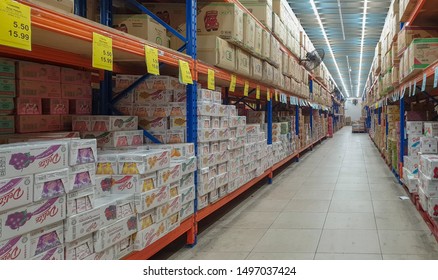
(339, 202)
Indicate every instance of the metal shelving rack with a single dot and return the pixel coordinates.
(66, 39)
(403, 94)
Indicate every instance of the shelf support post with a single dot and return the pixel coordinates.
(311, 122)
(402, 136)
(192, 119)
(80, 7)
(269, 119)
(106, 89)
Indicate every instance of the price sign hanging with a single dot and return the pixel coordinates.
(211, 82)
(258, 92)
(268, 95)
(232, 83)
(102, 52)
(152, 62)
(185, 76)
(15, 22)
(246, 89)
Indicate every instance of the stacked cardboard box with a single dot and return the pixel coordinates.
(7, 95)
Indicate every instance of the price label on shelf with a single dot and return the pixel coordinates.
(246, 89)
(268, 95)
(423, 86)
(258, 92)
(185, 76)
(15, 22)
(435, 78)
(233, 83)
(102, 52)
(211, 82)
(152, 62)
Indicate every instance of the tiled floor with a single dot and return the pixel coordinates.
(339, 202)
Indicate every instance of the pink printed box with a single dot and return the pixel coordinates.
(55, 254)
(38, 72)
(50, 184)
(114, 123)
(24, 159)
(15, 192)
(26, 88)
(28, 106)
(17, 248)
(82, 151)
(146, 96)
(81, 177)
(28, 218)
(72, 76)
(71, 91)
(115, 139)
(82, 106)
(55, 106)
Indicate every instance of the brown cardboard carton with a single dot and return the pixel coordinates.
(256, 68)
(63, 5)
(242, 62)
(409, 33)
(142, 26)
(217, 51)
(266, 44)
(422, 52)
(258, 40)
(248, 32)
(261, 12)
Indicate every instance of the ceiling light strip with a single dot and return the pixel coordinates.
(364, 19)
(349, 73)
(342, 20)
(315, 11)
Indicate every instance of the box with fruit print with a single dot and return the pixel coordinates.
(46, 238)
(80, 201)
(151, 199)
(31, 217)
(202, 201)
(81, 177)
(55, 254)
(110, 235)
(82, 151)
(29, 158)
(113, 123)
(153, 123)
(143, 162)
(176, 136)
(187, 194)
(169, 208)
(79, 249)
(147, 236)
(28, 106)
(103, 185)
(81, 123)
(207, 135)
(177, 122)
(151, 111)
(170, 174)
(187, 210)
(106, 163)
(17, 248)
(148, 96)
(429, 166)
(57, 106)
(173, 222)
(187, 180)
(16, 192)
(207, 109)
(116, 139)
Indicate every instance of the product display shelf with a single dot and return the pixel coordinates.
(186, 227)
(64, 38)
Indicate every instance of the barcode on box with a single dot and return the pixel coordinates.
(2, 166)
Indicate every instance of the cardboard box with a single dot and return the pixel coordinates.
(266, 44)
(17, 248)
(256, 68)
(431, 129)
(6, 106)
(422, 53)
(187, 210)
(7, 124)
(428, 186)
(16, 192)
(146, 96)
(7, 87)
(143, 162)
(414, 127)
(412, 163)
(151, 199)
(261, 12)
(81, 177)
(50, 184)
(409, 33)
(55, 254)
(80, 106)
(113, 123)
(216, 51)
(28, 218)
(429, 166)
(112, 234)
(221, 19)
(79, 249)
(115, 139)
(63, 5)
(142, 26)
(38, 72)
(169, 175)
(82, 151)
(74, 91)
(428, 145)
(45, 239)
(58, 106)
(167, 209)
(80, 201)
(7, 69)
(28, 106)
(72, 76)
(278, 29)
(258, 40)
(268, 72)
(248, 32)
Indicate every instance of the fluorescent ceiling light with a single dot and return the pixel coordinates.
(364, 19)
(312, 2)
(342, 20)
(349, 73)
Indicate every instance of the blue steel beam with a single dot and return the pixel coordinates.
(402, 130)
(80, 8)
(106, 90)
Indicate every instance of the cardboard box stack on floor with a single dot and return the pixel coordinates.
(393, 147)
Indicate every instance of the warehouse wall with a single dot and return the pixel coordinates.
(353, 111)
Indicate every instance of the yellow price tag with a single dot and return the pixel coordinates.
(232, 83)
(258, 92)
(276, 96)
(211, 82)
(268, 95)
(246, 89)
(152, 62)
(15, 25)
(102, 52)
(185, 76)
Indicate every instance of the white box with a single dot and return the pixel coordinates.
(169, 175)
(106, 163)
(124, 248)
(187, 180)
(413, 145)
(79, 249)
(17, 248)
(28, 218)
(187, 210)
(82, 151)
(143, 162)
(428, 145)
(205, 95)
(221, 180)
(110, 235)
(429, 186)
(414, 128)
(429, 166)
(207, 109)
(207, 186)
(33, 157)
(167, 209)
(45, 239)
(106, 255)
(80, 201)
(187, 194)
(202, 201)
(55, 254)
(81, 177)
(115, 139)
(431, 129)
(248, 32)
(16, 192)
(204, 122)
(50, 184)
(412, 163)
(173, 222)
(146, 219)
(213, 196)
(188, 165)
(151, 199)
